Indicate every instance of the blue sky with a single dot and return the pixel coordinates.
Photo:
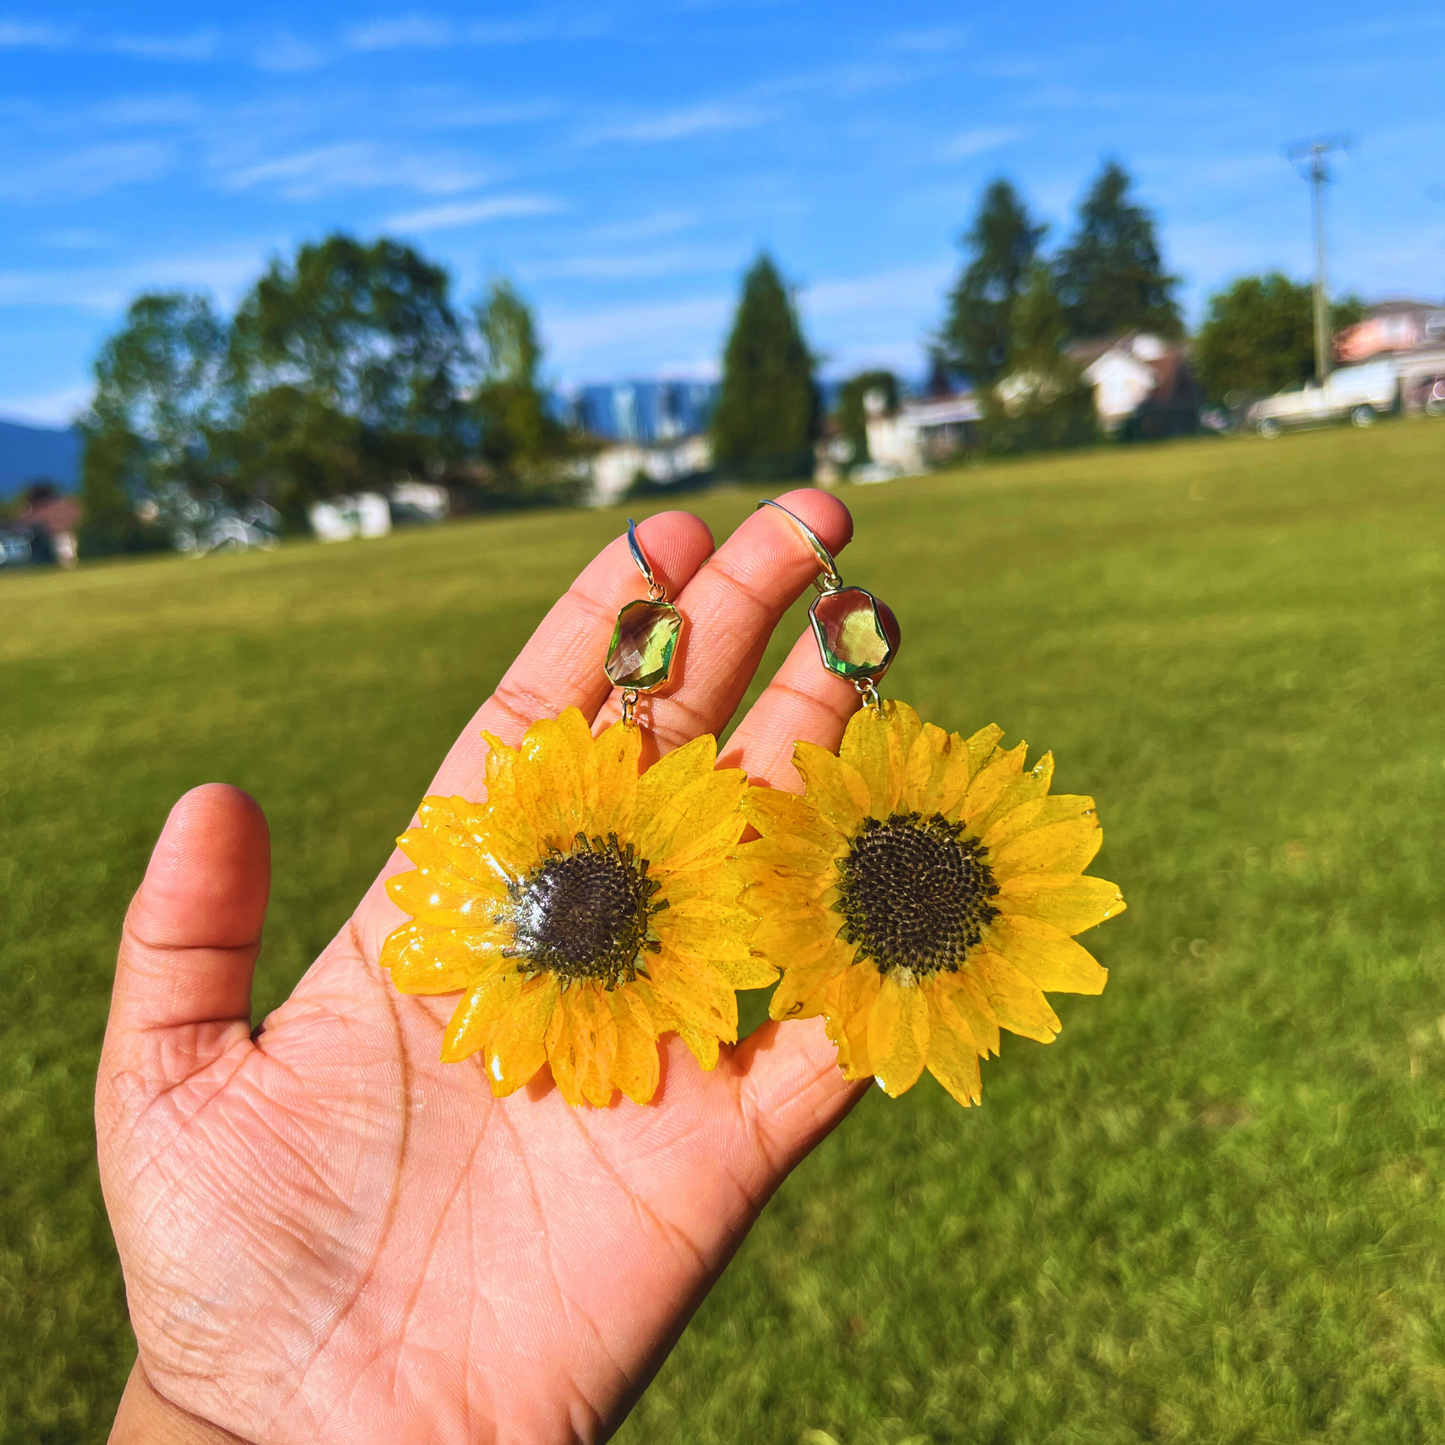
(624, 161)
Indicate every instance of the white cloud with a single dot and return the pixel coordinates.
(590, 339)
(631, 265)
(18, 35)
(947, 37)
(354, 166)
(403, 32)
(106, 289)
(977, 142)
(710, 119)
(55, 408)
(82, 173)
(285, 54)
(470, 213)
(202, 45)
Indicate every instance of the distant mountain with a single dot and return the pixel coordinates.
(28, 453)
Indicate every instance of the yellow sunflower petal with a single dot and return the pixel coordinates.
(1050, 958)
(898, 1035)
(1028, 787)
(501, 766)
(582, 1045)
(659, 787)
(462, 870)
(710, 826)
(635, 1069)
(436, 897)
(550, 781)
(772, 811)
(436, 960)
(480, 1008)
(835, 787)
(791, 941)
(1059, 848)
(990, 781)
(717, 934)
(1070, 904)
(700, 1001)
(803, 992)
(925, 772)
(516, 1042)
(966, 993)
(609, 780)
(876, 742)
(952, 1052)
(852, 996)
(1016, 1001)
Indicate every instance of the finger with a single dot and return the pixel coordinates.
(561, 666)
(803, 701)
(193, 930)
(731, 608)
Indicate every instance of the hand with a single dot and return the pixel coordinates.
(327, 1234)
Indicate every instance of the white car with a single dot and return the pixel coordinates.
(1360, 393)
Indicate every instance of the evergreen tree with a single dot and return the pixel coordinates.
(767, 413)
(1111, 274)
(1002, 245)
(519, 440)
(1042, 400)
(1259, 335)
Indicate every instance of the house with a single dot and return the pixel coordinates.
(1391, 326)
(916, 434)
(1143, 385)
(615, 468)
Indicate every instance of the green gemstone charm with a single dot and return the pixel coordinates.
(850, 635)
(644, 643)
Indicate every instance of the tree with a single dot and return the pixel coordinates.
(346, 356)
(1259, 335)
(155, 416)
(1042, 401)
(1111, 275)
(767, 412)
(1002, 245)
(853, 407)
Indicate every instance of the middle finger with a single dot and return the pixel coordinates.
(730, 609)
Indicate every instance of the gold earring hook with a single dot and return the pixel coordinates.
(655, 590)
(829, 581)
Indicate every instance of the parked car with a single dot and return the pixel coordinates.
(1435, 396)
(1361, 393)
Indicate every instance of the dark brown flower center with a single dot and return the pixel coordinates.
(584, 914)
(914, 893)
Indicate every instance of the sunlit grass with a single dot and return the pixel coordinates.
(1212, 1211)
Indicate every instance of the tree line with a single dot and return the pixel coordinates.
(346, 367)
(350, 366)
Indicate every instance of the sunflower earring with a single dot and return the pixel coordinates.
(923, 892)
(583, 911)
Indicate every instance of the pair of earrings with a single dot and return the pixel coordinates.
(921, 894)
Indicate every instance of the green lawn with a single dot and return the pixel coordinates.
(1213, 1211)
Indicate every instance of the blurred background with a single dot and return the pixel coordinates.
(1122, 333)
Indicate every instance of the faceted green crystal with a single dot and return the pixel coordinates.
(851, 640)
(643, 644)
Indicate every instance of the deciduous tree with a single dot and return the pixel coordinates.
(1259, 335)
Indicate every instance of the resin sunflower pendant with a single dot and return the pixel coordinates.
(583, 910)
(923, 892)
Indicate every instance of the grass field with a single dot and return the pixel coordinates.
(1213, 1211)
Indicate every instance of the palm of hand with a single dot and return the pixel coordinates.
(327, 1233)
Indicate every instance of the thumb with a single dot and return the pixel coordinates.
(192, 933)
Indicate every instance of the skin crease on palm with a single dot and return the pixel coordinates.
(329, 1235)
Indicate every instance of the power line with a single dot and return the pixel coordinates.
(1310, 159)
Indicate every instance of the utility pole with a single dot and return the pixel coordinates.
(1309, 157)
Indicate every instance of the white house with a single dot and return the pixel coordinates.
(905, 441)
(615, 468)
